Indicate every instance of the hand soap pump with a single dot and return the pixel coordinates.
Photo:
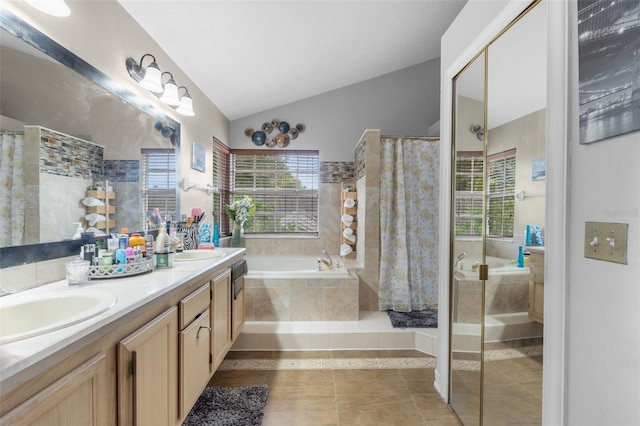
(79, 231)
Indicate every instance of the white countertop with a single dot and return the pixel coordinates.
(131, 293)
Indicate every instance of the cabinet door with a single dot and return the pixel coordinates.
(195, 348)
(148, 373)
(221, 318)
(536, 287)
(75, 399)
(237, 314)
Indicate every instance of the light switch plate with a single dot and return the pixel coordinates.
(606, 241)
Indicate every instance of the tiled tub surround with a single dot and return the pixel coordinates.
(304, 294)
(506, 303)
(506, 291)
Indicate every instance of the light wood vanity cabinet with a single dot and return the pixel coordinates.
(536, 286)
(195, 346)
(148, 373)
(149, 369)
(77, 398)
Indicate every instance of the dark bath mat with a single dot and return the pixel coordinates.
(427, 318)
(229, 406)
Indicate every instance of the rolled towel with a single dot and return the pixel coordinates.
(349, 203)
(348, 234)
(345, 249)
(347, 219)
(94, 218)
(92, 202)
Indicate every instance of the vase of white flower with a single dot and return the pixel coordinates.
(239, 211)
(237, 235)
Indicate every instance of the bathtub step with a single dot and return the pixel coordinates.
(373, 330)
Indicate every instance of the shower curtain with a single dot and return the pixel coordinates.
(12, 197)
(408, 224)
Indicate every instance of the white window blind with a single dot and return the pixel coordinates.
(221, 183)
(159, 182)
(501, 193)
(469, 193)
(283, 186)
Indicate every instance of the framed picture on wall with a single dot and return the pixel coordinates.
(198, 155)
(609, 81)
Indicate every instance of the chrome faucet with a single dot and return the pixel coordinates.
(459, 259)
(326, 256)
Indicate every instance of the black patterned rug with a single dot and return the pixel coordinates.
(427, 318)
(229, 406)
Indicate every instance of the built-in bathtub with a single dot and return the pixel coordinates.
(293, 288)
(506, 291)
(467, 267)
(288, 266)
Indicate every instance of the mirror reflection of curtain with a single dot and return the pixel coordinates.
(12, 189)
(408, 224)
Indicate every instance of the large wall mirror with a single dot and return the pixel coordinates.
(499, 145)
(79, 127)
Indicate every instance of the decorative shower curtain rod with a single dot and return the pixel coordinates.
(426, 138)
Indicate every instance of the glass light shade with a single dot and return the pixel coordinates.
(152, 78)
(51, 7)
(170, 95)
(186, 105)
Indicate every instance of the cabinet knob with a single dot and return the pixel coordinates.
(201, 327)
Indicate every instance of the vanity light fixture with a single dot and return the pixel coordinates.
(151, 79)
(170, 94)
(186, 103)
(51, 7)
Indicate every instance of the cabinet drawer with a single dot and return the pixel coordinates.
(195, 345)
(193, 304)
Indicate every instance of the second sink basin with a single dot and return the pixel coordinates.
(27, 315)
(198, 255)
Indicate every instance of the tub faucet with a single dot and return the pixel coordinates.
(459, 259)
(326, 256)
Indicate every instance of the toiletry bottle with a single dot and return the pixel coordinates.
(162, 242)
(79, 231)
(520, 257)
(527, 236)
(216, 235)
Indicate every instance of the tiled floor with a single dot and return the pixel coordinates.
(352, 387)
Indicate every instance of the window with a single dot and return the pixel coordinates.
(283, 186)
(469, 173)
(159, 182)
(500, 195)
(221, 182)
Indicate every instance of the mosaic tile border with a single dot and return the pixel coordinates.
(328, 364)
(122, 170)
(336, 171)
(66, 155)
(374, 363)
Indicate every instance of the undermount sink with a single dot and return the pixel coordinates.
(197, 255)
(28, 315)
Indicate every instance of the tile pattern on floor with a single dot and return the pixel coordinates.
(379, 387)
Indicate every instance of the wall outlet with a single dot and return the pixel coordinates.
(606, 241)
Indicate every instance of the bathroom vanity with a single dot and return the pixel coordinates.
(536, 284)
(144, 361)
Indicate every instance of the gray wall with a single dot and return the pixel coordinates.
(405, 102)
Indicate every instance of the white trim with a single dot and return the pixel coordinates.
(558, 133)
(559, 137)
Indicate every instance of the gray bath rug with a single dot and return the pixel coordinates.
(427, 318)
(229, 406)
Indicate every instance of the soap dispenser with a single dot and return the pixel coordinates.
(79, 231)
